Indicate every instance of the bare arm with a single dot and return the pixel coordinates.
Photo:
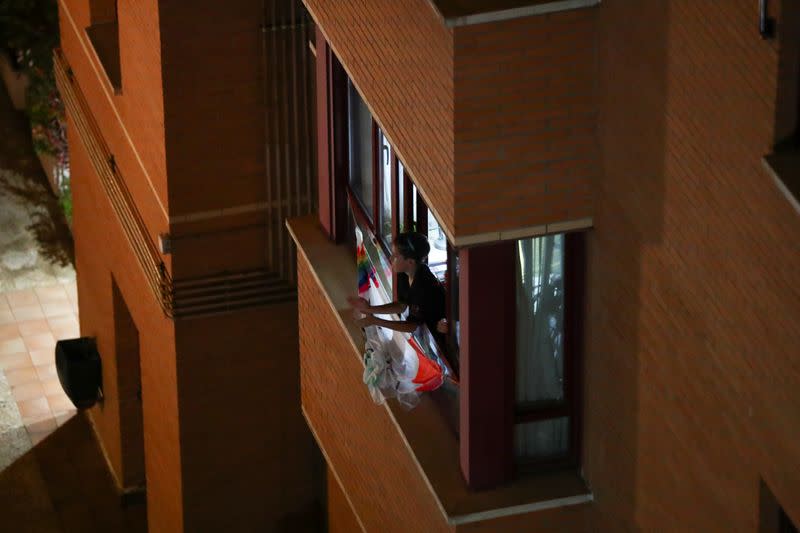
(396, 325)
(393, 308)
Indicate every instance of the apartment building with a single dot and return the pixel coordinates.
(610, 193)
(615, 188)
(187, 131)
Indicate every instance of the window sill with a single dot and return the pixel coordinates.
(785, 170)
(422, 430)
(104, 39)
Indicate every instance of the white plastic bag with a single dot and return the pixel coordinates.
(388, 373)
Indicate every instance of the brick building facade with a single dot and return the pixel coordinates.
(646, 140)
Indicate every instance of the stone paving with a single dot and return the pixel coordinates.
(31, 321)
(32, 253)
(38, 304)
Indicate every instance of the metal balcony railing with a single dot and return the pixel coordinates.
(222, 292)
(158, 278)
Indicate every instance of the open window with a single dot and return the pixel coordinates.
(520, 346)
(514, 308)
(365, 186)
(103, 34)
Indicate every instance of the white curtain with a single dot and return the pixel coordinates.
(540, 344)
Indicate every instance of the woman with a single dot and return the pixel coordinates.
(418, 290)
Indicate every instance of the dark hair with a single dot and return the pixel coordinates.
(413, 245)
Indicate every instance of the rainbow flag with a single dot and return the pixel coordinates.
(366, 271)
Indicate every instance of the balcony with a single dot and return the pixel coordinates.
(395, 464)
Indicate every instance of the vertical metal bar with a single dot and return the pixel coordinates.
(286, 98)
(376, 180)
(422, 215)
(267, 74)
(297, 31)
(294, 33)
(308, 126)
(324, 151)
(396, 214)
(408, 201)
(276, 139)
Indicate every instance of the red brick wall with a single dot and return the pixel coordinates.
(140, 106)
(400, 56)
(359, 438)
(132, 126)
(691, 370)
(340, 515)
(244, 443)
(217, 121)
(213, 102)
(525, 121)
(129, 391)
(102, 251)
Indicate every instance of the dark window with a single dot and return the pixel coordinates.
(385, 158)
(540, 347)
(359, 136)
(547, 330)
(380, 194)
(104, 36)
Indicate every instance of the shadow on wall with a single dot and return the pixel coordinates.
(63, 484)
(629, 216)
(47, 219)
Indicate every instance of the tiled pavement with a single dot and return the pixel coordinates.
(31, 321)
(62, 483)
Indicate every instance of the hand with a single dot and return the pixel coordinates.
(359, 304)
(441, 326)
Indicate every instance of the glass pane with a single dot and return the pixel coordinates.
(359, 126)
(454, 312)
(401, 196)
(437, 259)
(413, 208)
(540, 320)
(542, 439)
(385, 169)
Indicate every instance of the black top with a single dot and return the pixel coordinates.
(425, 299)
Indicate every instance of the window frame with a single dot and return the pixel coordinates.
(574, 296)
(336, 193)
(487, 412)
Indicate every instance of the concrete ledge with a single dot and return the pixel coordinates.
(518, 12)
(525, 232)
(422, 438)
